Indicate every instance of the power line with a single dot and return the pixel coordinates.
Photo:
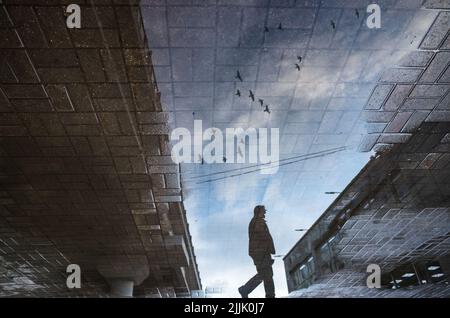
(332, 150)
(284, 164)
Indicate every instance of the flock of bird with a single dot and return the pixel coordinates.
(297, 66)
(251, 95)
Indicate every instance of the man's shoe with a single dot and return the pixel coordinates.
(241, 291)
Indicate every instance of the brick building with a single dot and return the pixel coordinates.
(85, 168)
(395, 213)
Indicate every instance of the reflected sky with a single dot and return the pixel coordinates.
(198, 46)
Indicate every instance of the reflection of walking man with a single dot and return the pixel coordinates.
(260, 249)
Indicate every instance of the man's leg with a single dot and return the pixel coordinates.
(266, 273)
(250, 286)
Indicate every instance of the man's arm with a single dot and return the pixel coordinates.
(270, 240)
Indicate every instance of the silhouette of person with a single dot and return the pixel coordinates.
(260, 249)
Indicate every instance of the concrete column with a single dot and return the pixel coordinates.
(122, 274)
(121, 287)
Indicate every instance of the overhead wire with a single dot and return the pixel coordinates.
(283, 164)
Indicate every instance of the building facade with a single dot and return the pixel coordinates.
(86, 173)
(395, 214)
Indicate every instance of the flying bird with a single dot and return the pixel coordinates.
(252, 96)
(238, 75)
(299, 58)
(333, 25)
(238, 93)
(297, 67)
(280, 27)
(261, 101)
(266, 29)
(267, 110)
(357, 13)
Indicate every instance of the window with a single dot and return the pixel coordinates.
(303, 275)
(414, 275)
